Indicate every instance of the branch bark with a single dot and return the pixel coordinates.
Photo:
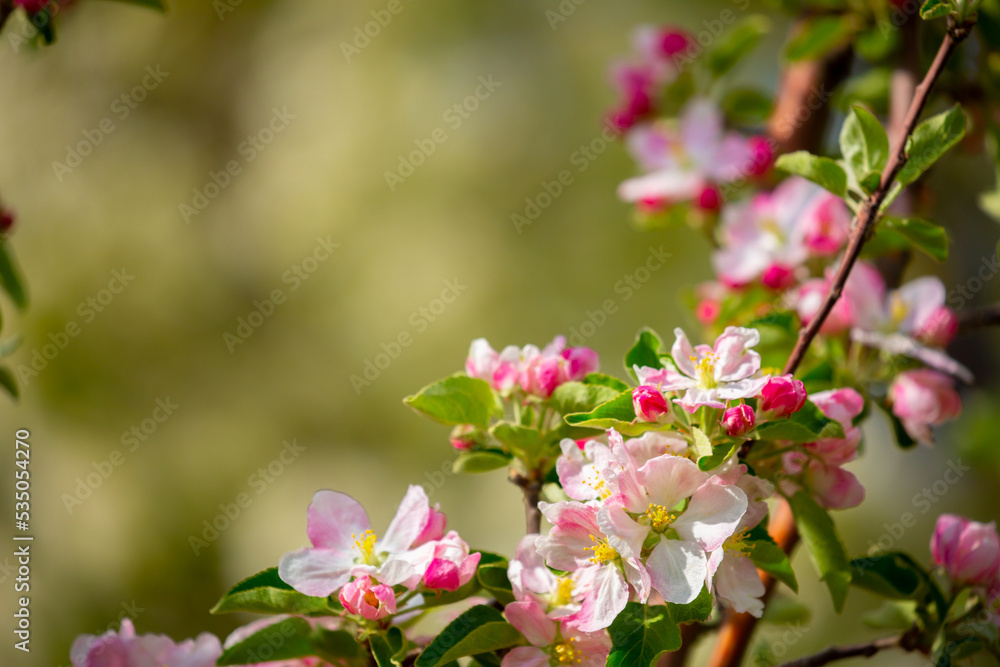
(531, 487)
(835, 653)
(983, 317)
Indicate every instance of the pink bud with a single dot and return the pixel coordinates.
(649, 403)
(710, 199)
(738, 420)
(778, 277)
(651, 205)
(6, 220)
(782, 396)
(923, 398)
(578, 362)
(968, 550)
(763, 155)
(463, 436)
(673, 41)
(707, 311)
(938, 328)
(371, 602)
(452, 566)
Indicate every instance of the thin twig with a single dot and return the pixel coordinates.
(835, 653)
(869, 214)
(983, 317)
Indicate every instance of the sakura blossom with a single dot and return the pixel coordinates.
(923, 398)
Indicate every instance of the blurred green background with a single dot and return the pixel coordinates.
(126, 547)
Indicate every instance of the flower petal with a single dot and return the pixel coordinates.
(677, 569)
(409, 521)
(318, 572)
(712, 515)
(333, 519)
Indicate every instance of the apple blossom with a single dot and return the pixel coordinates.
(782, 396)
(969, 551)
(738, 420)
(923, 398)
(452, 565)
(127, 649)
(707, 375)
(649, 403)
(372, 602)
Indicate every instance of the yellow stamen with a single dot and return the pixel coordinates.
(603, 552)
(898, 309)
(659, 517)
(366, 547)
(598, 485)
(563, 593)
(567, 654)
(705, 370)
(737, 545)
(771, 226)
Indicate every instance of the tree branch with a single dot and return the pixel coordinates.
(983, 317)
(869, 214)
(531, 487)
(908, 641)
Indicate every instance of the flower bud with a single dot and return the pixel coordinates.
(463, 436)
(763, 155)
(710, 199)
(778, 277)
(938, 328)
(371, 602)
(968, 550)
(673, 41)
(923, 398)
(649, 403)
(6, 220)
(782, 396)
(738, 420)
(452, 566)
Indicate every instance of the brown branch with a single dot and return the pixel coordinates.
(531, 487)
(976, 319)
(869, 213)
(835, 653)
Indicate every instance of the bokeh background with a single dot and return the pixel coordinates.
(126, 547)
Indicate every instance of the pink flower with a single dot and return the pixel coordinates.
(552, 642)
(681, 159)
(649, 403)
(579, 469)
(968, 550)
(782, 396)
(126, 649)
(452, 566)
(344, 545)
(781, 228)
(710, 375)
(923, 398)
(372, 602)
(938, 328)
(738, 420)
(499, 370)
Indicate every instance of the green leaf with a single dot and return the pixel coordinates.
(827, 551)
(482, 461)
(864, 143)
(8, 382)
(266, 593)
(493, 578)
(807, 425)
(876, 44)
(819, 36)
(694, 612)
(927, 237)
(747, 106)
(892, 615)
(720, 454)
(930, 140)
(10, 279)
(522, 440)
(337, 646)
(870, 89)
(935, 9)
(288, 639)
(458, 400)
(605, 381)
(736, 43)
(571, 397)
(820, 170)
(481, 629)
(645, 352)
(618, 413)
(784, 610)
(641, 634)
(7, 347)
(893, 575)
(151, 4)
(390, 648)
(768, 556)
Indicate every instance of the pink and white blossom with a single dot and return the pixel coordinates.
(738, 420)
(923, 398)
(127, 649)
(452, 565)
(782, 397)
(969, 551)
(649, 403)
(360, 597)
(710, 376)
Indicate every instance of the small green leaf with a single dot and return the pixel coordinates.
(522, 440)
(10, 279)
(870, 89)
(389, 648)
(768, 556)
(605, 381)
(720, 454)
(894, 575)
(865, 144)
(266, 593)
(337, 646)
(736, 43)
(492, 576)
(481, 461)
(935, 9)
(458, 400)
(7, 347)
(827, 551)
(747, 106)
(930, 239)
(285, 640)
(481, 629)
(819, 36)
(641, 634)
(618, 413)
(571, 397)
(820, 170)
(930, 140)
(151, 4)
(892, 615)
(645, 352)
(694, 612)
(8, 382)
(807, 425)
